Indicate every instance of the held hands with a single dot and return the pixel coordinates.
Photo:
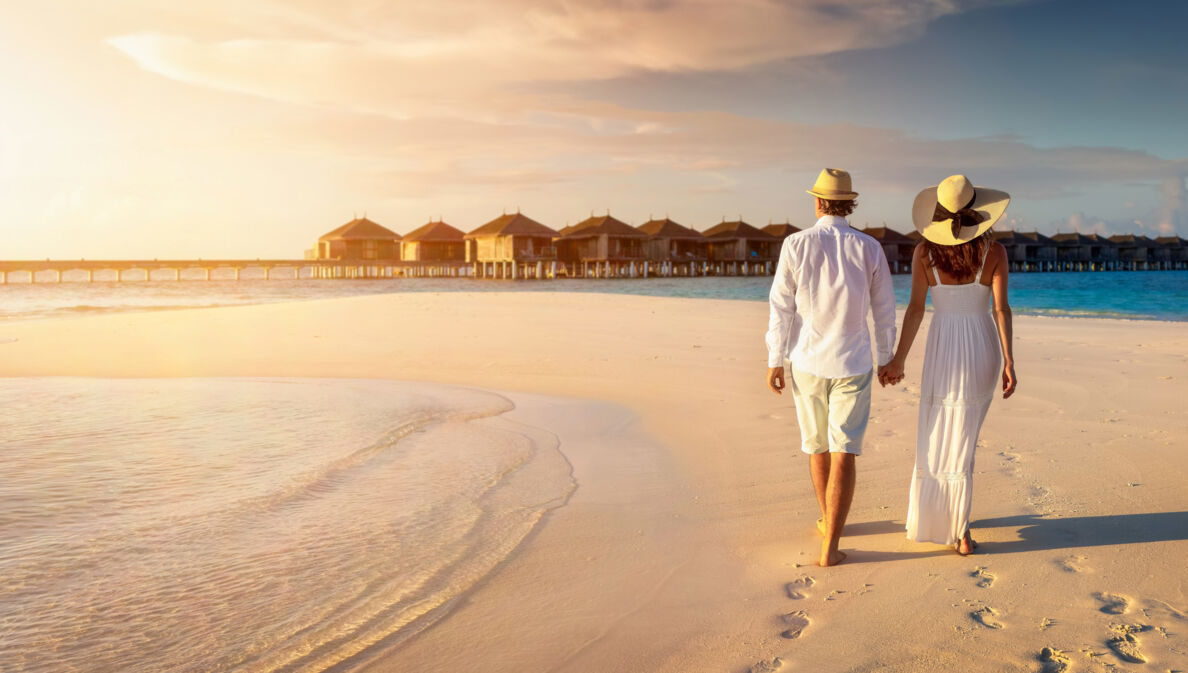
(891, 373)
(1008, 381)
(775, 379)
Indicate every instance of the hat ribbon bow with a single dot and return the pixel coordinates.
(964, 217)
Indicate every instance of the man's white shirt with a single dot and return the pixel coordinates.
(827, 278)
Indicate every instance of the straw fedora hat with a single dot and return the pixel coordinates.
(955, 211)
(833, 184)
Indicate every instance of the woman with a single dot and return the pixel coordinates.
(965, 270)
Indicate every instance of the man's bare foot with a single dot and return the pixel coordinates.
(821, 525)
(832, 559)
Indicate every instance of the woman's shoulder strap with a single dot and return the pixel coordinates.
(985, 256)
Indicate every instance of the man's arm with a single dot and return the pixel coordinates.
(782, 318)
(882, 305)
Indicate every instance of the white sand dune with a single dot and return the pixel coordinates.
(689, 543)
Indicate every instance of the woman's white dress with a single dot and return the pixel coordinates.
(961, 369)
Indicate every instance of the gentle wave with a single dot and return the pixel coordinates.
(252, 525)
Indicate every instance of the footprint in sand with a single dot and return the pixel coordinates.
(796, 623)
(986, 616)
(1052, 660)
(1124, 644)
(1113, 604)
(798, 588)
(1037, 494)
(985, 577)
(1074, 564)
(767, 666)
(1010, 461)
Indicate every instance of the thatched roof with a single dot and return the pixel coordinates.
(1073, 238)
(781, 230)
(1098, 239)
(434, 232)
(1035, 237)
(886, 235)
(915, 236)
(736, 229)
(1172, 241)
(1011, 236)
(602, 224)
(666, 228)
(360, 229)
(514, 224)
(1133, 239)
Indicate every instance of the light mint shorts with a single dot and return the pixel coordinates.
(832, 413)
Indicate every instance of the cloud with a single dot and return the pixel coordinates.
(456, 83)
(1170, 218)
(470, 57)
(1173, 214)
(292, 110)
(706, 145)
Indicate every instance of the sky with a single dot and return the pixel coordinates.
(244, 129)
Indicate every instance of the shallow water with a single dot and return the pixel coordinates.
(251, 524)
(1142, 295)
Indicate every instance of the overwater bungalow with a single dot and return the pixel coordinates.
(1158, 256)
(1074, 251)
(896, 246)
(1135, 251)
(1103, 251)
(1028, 250)
(738, 248)
(602, 247)
(1177, 251)
(360, 239)
(674, 249)
(512, 246)
(434, 242)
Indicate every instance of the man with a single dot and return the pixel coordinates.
(827, 278)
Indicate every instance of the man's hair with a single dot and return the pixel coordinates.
(838, 207)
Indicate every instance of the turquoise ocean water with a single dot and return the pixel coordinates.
(1135, 295)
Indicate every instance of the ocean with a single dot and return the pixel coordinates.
(251, 525)
(1131, 295)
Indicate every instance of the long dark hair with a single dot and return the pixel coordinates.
(958, 261)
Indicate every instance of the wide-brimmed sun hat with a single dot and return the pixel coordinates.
(956, 212)
(833, 184)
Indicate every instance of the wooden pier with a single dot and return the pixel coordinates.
(84, 270)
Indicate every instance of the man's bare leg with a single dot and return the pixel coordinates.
(819, 470)
(839, 493)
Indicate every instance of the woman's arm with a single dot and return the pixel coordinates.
(1002, 317)
(912, 317)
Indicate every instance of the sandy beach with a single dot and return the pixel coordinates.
(689, 543)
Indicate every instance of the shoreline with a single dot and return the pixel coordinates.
(39, 303)
(88, 314)
(1097, 409)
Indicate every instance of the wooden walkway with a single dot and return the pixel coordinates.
(56, 271)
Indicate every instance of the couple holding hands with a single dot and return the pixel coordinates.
(828, 278)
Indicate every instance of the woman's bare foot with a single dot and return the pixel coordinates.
(966, 545)
(831, 558)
